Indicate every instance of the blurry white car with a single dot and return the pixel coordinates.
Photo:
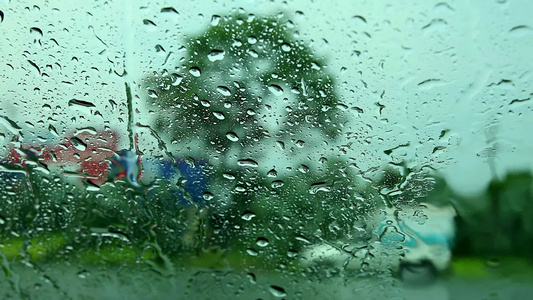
(416, 244)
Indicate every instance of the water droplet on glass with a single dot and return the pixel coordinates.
(224, 91)
(520, 30)
(277, 184)
(83, 274)
(319, 187)
(215, 19)
(152, 94)
(236, 43)
(195, 71)
(148, 22)
(215, 55)
(300, 143)
(248, 215)
(286, 47)
(292, 253)
(252, 40)
(219, 115)
(247, 163)
(36, 30)
(53, 130)
(272, 173)
(277, 291)
(176, 79)
(78, 144)
(275, 89)
(80, 103)
(303, 239)
(92, 187)
(253, 53)
(251, 277)
(303, 169)
(251, 252)
(262, 242)
(208, 196)
(232, 136)
(169, 10)
(228, 176)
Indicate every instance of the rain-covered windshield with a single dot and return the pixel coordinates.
(283, 149)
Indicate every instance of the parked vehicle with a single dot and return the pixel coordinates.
(83, 155)
(416, 244)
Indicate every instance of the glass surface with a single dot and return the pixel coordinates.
(285, 149)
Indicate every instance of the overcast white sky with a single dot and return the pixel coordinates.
(433, 65)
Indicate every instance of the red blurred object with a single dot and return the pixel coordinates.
(85, 154)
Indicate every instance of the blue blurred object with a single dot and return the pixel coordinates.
(195, 183)
(188, 181)
(182, 176)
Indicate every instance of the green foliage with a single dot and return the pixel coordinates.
(299, 209)
(244, 68)
(500, 220)
(43, 206)
(35, 202)
(244, 83)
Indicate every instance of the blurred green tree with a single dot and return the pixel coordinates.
(499, 221)
(247, 83)
(235, 78)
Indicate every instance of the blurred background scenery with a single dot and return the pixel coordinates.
(266, 150)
